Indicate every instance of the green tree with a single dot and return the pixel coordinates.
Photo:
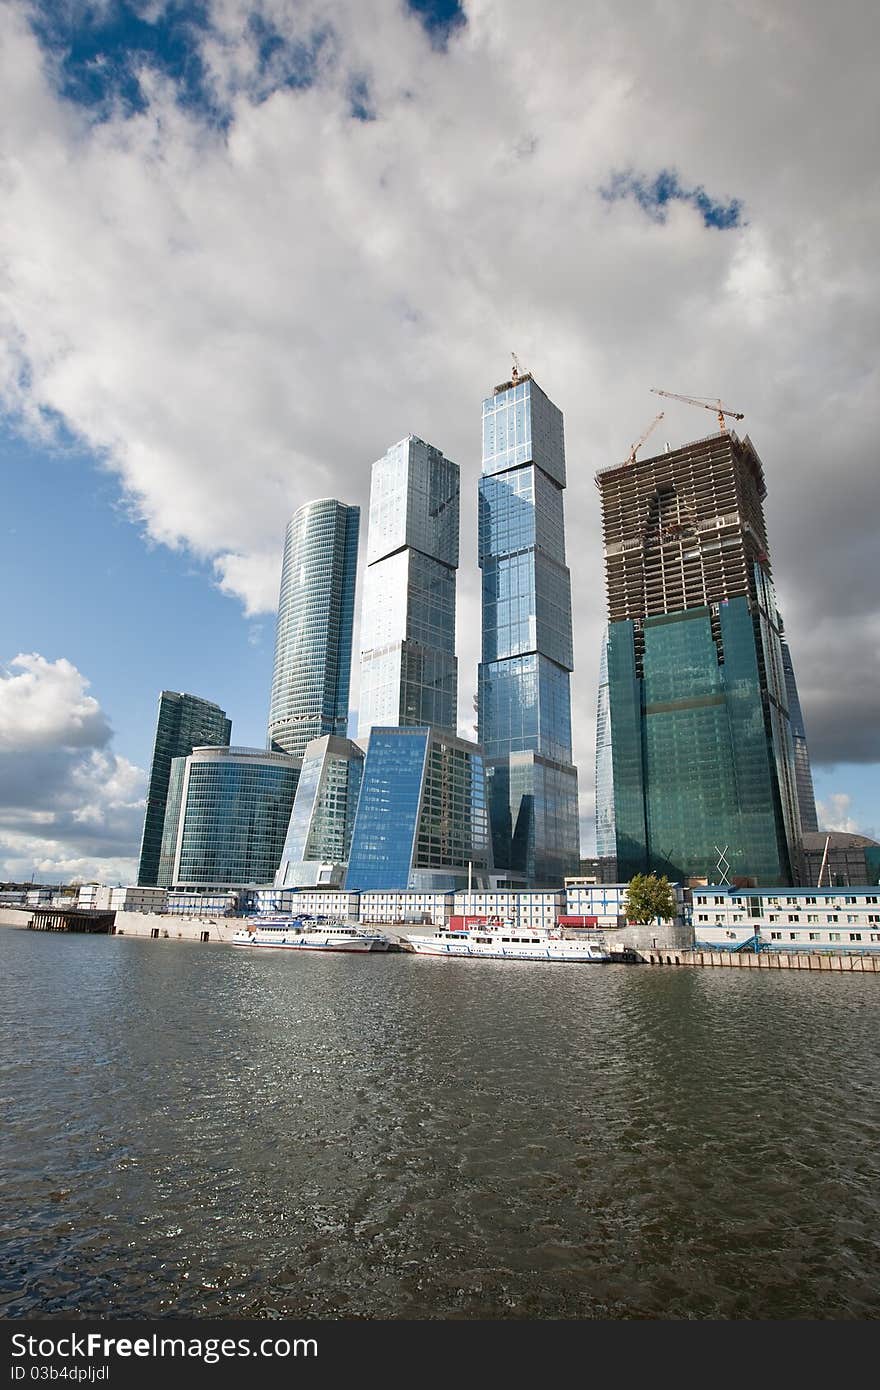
(648, 897)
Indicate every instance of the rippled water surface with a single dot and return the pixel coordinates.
(191, 1130)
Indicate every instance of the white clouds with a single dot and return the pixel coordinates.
(240, 320)
(68, 804)
(45, 706)
(834, 813)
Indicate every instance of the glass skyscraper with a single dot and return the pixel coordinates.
(408, 663)
(421, 817)
(184, 722)
(803, 771)
(606, 835)
(319, 834)
(524, 698)
(310, 680)
(227, 817)
(701, 740)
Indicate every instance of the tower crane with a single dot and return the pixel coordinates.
(706, 403)
(639, 442)
(517, 370)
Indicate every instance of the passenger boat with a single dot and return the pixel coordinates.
(309, 934)
(503, 941)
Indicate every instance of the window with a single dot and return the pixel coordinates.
(855, 936)
(793, 935)
(834, 936)
(832, 917)
(776, 936)
(793, 917)
(815, 936)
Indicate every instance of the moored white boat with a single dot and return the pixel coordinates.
(506, 942)
(309, 934)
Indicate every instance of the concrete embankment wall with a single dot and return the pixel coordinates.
(14, 916)
(768, 960)
(650, 938)
(170, 927)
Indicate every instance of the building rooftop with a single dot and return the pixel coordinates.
(839, 839)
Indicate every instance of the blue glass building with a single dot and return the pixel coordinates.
(422, 816)
(321, 822)
(184, 722)
(524, 699)
(228, 813)
(701, 740)
(310, 680)
(408, 663)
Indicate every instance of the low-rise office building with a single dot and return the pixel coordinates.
(788, 919)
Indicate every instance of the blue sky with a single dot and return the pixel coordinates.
(250, 246)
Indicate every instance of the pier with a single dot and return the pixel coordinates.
(71, 920)
(769, 960)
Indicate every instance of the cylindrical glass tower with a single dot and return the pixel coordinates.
(310, 680)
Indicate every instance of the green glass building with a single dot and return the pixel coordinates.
(184, 722)
(703, 772)
(228, 813)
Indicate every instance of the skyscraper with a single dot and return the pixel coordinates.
(701, 738)
(310, 680)
(183, 722)
(319, 834)
(803, 772)
(606, 837)
(408, 663)
(524, 697)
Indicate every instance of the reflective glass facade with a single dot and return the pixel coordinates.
(702, 748)
(184, 722)
(408, 664)
(524, 698)
(310, 680)
(803, 771)
(172, 822)
(606, 834)
(321, 822)
(533, 808)
(693, 768)
(422, 814)
(234, 812)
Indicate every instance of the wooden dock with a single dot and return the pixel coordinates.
(843, 962)
(71, 920)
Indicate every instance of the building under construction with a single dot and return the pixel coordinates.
(703, 766)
